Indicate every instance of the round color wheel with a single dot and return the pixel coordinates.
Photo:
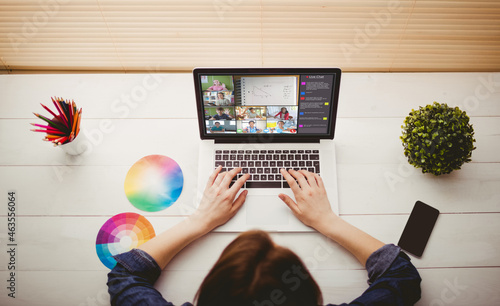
(154, 183)
(121, 233)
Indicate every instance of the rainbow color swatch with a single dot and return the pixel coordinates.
(121, 233)
(154, 183)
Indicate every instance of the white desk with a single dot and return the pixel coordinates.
(62, 202)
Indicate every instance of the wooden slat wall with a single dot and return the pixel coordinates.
(126, 36)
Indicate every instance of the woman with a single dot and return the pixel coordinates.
(253, 270)
(283, 114)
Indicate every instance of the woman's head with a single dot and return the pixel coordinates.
(284, 110)
(220, 95)
(216, 82)
(252, 270)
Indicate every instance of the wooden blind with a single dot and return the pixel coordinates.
(160, 35)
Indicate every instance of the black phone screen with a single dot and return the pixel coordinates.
(418, 228)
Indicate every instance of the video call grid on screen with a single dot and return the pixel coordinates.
(284, 104)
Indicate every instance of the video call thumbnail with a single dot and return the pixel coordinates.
(221, 126)
(218, 98)
(287, 112)
(219, 113)
(250, 112)
(281, 126)
(217, 83)
(250, 126)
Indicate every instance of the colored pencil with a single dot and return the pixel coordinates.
(61, 140)
(75, 121)
(65, 111)
(49, 131)
(48, 109)
(78, 123)
(51, 122)
(61, 111)
(43, 126)
(48, 127)
(52, 137)
(70, 111)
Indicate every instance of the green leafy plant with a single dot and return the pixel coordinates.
(438, 138)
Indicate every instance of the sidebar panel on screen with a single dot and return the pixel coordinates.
(315, 94)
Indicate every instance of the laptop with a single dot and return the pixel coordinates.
(264, 119)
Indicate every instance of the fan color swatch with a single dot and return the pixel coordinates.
(121, 233)
(154, 183)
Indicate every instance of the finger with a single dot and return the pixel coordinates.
(229, 176)
(239, 183)
(219, 178)
(319, 180)
(212, 177)
(290, 203)
(290, 180)
(311, 178)
(300, 178)
(239, 202)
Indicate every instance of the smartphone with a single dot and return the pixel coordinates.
(418, 228)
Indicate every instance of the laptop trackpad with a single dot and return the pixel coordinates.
(266, 210)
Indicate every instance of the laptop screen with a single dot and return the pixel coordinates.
(267, 102)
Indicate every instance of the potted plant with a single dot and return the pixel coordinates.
(438, 138)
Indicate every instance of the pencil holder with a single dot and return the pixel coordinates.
(78, 146)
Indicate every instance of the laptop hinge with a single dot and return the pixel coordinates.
(267, 141)
(326, 141)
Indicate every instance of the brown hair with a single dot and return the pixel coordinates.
(252, 270)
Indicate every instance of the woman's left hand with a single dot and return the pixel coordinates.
(218, 204)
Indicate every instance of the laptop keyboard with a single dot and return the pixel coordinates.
(264, 165)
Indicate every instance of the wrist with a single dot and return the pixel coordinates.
(328, 224)
(199, 224)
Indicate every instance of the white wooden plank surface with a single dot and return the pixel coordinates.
(394, 188)
(101, 95)
(57, 263)
(395, 94)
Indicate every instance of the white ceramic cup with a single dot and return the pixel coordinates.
(78, 146)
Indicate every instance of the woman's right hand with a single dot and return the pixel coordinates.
(313, 209)
(312, 206)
